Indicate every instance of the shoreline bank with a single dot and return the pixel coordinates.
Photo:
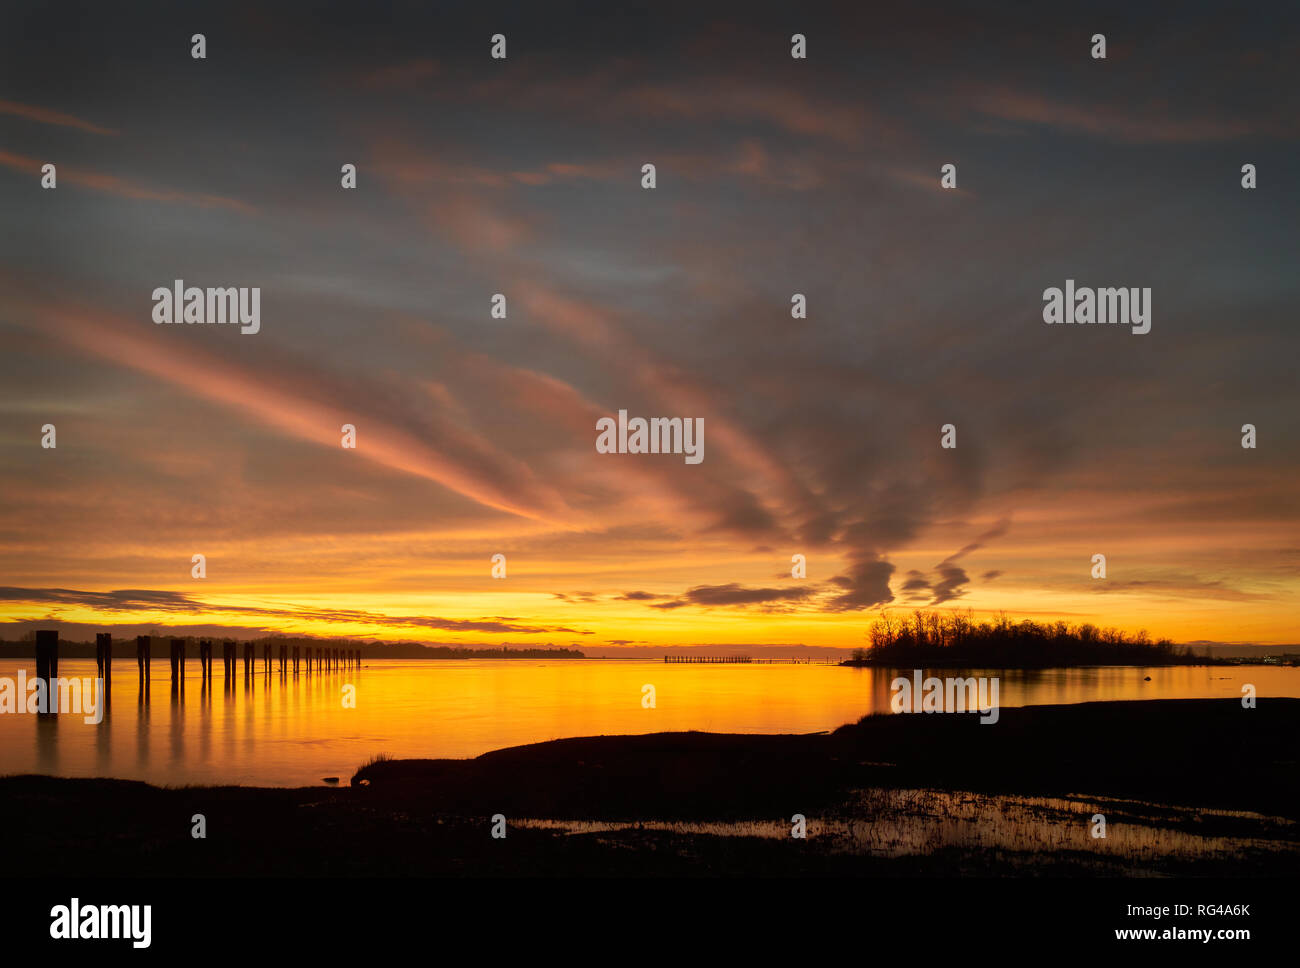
(1176, 768)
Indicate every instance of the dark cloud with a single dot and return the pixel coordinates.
(949, 586)
(916, 582)
(948, 579)
(132, 600)
(1186, 586)
(721, 596)
(867, 586)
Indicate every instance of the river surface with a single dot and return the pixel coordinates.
(297, 730)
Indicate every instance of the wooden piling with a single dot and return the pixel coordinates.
(47, 667)
(143, 657)
(178, 664)
(248, 660)
(295, 660)
(104, 660)
(266, 657)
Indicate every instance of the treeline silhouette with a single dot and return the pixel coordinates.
(124, 647)
(932, 639)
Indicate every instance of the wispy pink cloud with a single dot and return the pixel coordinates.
(1131, 122)
(401, 76)
(485, 475)
(112, 185)
(33, 112)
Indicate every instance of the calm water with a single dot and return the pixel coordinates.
(295, 731)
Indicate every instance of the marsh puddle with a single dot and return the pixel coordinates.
(901, 823)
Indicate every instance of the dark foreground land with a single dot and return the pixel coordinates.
(1188, 787)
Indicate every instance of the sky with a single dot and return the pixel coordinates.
(476, 435)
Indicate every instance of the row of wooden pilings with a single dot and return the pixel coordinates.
(299, 658)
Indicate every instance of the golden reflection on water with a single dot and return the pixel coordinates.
(292, 731)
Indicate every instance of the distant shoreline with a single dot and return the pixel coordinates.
(125, 653)
(1283, 662)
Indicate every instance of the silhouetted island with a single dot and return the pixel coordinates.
(933, 640)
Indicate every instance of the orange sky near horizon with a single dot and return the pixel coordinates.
(338, 597)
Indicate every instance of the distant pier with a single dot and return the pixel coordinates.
(708, 659)
(743, 660)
